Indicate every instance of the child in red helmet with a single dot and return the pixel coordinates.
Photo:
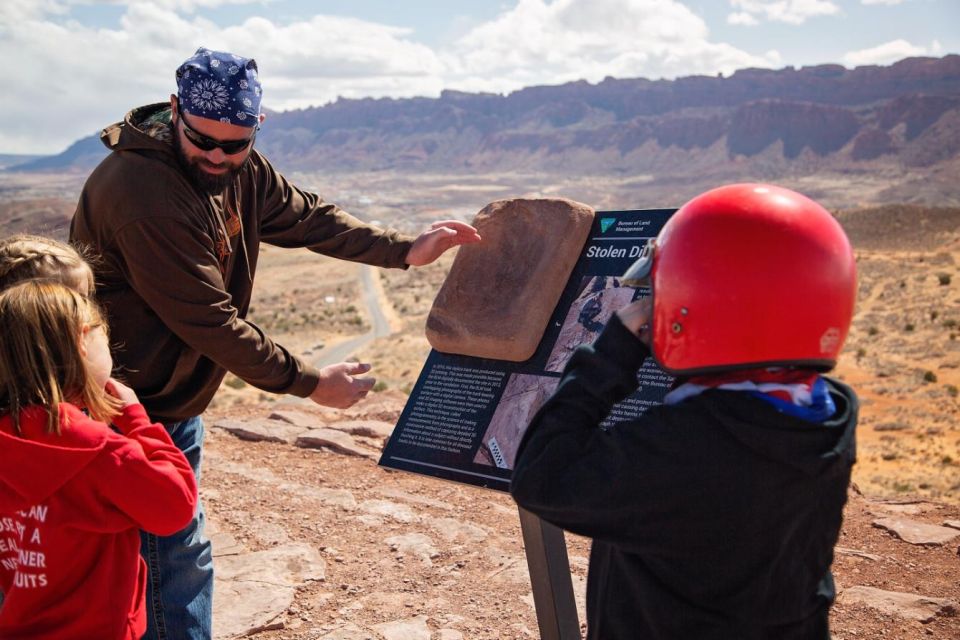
(714, 515)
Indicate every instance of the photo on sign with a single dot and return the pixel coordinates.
(599, 297)
(522, 397)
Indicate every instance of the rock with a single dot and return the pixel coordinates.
(225, 544)
(336, 497)
(398, 512)
(334, 440)
(391, 492)
(499, 295)
(447, 634)
(906, 605)
(348, 631)
(453, 530)
(253, 589)
(260, 430)
(305, 419)
(918, 533)
(414, 544)
(411, 629)
(366, 428)
(857, 553)
(953, 524)
(242, 606)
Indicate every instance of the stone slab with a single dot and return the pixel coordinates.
(906, 605)
(334, 440)
(500, 293)
(919, 533)
(260, 430)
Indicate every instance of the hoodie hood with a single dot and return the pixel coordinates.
(809, 447)
(144, 129)
(36, 464)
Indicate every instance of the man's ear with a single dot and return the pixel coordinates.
(263, 117)
(173, 107)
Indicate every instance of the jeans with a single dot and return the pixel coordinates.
(180, 567)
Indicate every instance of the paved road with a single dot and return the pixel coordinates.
(380, 326)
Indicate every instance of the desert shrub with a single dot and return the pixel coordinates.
(929, 376)
(934, 314)
(952, 390)
(908, 327)
(944, 279)
(234, 382)
(872, 331)
(379, 386)
(950, 323)
(861, 352)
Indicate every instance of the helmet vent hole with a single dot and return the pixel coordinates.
(677, 327)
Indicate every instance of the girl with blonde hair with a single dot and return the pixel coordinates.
(75, 492)
(29, 257)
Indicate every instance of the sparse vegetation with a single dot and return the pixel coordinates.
(234, 382)
(929, 376)
(944, 279)
(909, 327)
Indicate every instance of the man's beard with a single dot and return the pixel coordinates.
(213, 184)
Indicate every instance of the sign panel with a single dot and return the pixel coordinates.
(465, 416)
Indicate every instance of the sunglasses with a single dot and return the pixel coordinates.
(207, 143)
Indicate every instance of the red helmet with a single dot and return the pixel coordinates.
(749, 275)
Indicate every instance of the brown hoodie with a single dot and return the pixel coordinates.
(177, 267)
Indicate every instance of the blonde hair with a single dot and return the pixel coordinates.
(29, 257)
(42, 324)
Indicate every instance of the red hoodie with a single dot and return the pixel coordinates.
(71, 507)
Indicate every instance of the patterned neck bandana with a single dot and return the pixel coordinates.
(799, 393)
(220, 86)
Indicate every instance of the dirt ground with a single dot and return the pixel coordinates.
(447, 559)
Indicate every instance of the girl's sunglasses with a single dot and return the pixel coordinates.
(207, 143)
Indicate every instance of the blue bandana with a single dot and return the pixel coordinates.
(220, 86)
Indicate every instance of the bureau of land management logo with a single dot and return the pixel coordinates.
(606, 223)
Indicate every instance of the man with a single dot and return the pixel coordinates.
(177, 213)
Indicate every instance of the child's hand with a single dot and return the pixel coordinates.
(122, 392)
(636, 317)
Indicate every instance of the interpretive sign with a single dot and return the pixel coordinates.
(465, 415)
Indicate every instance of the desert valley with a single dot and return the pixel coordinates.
(387, 555)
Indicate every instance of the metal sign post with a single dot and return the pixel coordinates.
(549, 568)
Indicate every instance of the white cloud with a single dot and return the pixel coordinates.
(887, 53)
(788, 11)
(71, 79)
(538, 43)
(742, 19)
(887, 2)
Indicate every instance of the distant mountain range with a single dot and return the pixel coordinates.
(766, 122)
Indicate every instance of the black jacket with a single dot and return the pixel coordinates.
(712, 518)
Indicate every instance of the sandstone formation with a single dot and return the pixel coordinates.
(499, 295)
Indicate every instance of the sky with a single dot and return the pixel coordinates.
(75, 66)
